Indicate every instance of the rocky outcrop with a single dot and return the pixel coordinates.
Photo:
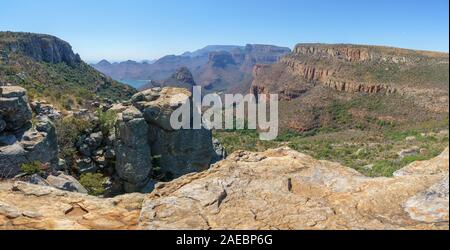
(277, 189)
(145, 139)
(21, 141)
(283, 189)
(14, 108)
(182, 78)
(133, 154)
(180, 151)
(42, 48)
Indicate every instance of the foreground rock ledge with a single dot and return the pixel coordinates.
(277, 189)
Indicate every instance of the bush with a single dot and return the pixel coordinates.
(69, 130)
(31, 168)
(106, 120)
(94, 183)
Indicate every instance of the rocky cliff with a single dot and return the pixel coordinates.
(277, 189)
(42, 48)
(314, 77)
(48, 68)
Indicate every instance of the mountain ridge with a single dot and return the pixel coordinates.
(47, 67)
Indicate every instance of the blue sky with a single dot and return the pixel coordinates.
(148, 29)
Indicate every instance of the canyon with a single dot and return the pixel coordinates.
(79, 150)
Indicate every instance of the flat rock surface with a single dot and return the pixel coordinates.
(277, 189)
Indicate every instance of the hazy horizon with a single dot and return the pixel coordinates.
(119, 30)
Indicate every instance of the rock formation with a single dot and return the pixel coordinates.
(43, 48)
(277, 189)
(133, 154)
(144, 138)
(20, 140)
(182, 78)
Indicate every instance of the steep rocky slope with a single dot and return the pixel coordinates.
(317, 79)
(48, 68)
(277, 189)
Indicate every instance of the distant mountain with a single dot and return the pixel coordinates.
(221, 68)
(48, 68)
(212, 48)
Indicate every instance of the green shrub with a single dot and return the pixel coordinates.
(31, 168)
(94, 183)
(69, 130)
(107, 120)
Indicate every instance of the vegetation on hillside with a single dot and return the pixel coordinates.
(69, 86)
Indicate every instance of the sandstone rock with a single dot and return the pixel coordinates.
(133, 155)
(14, 107)
(157, 105)
(26, 206)
(66, 182)
(289, 190)
(277, 189)
(430, 205)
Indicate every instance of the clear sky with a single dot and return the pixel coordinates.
(148, 29)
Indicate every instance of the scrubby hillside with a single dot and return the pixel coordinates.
(48, 68)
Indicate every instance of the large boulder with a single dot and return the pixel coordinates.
(177, 152)
(133, 154)
(66, 182)
(14, 108)
(158, 104)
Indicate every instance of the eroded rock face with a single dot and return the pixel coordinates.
(14, 108)
(20, 141)
(179, 151)
(277, 189)
(133, 153)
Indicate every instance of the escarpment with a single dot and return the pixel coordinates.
(354, 68)
(329, 76)
(316, 82)
(276, 189)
